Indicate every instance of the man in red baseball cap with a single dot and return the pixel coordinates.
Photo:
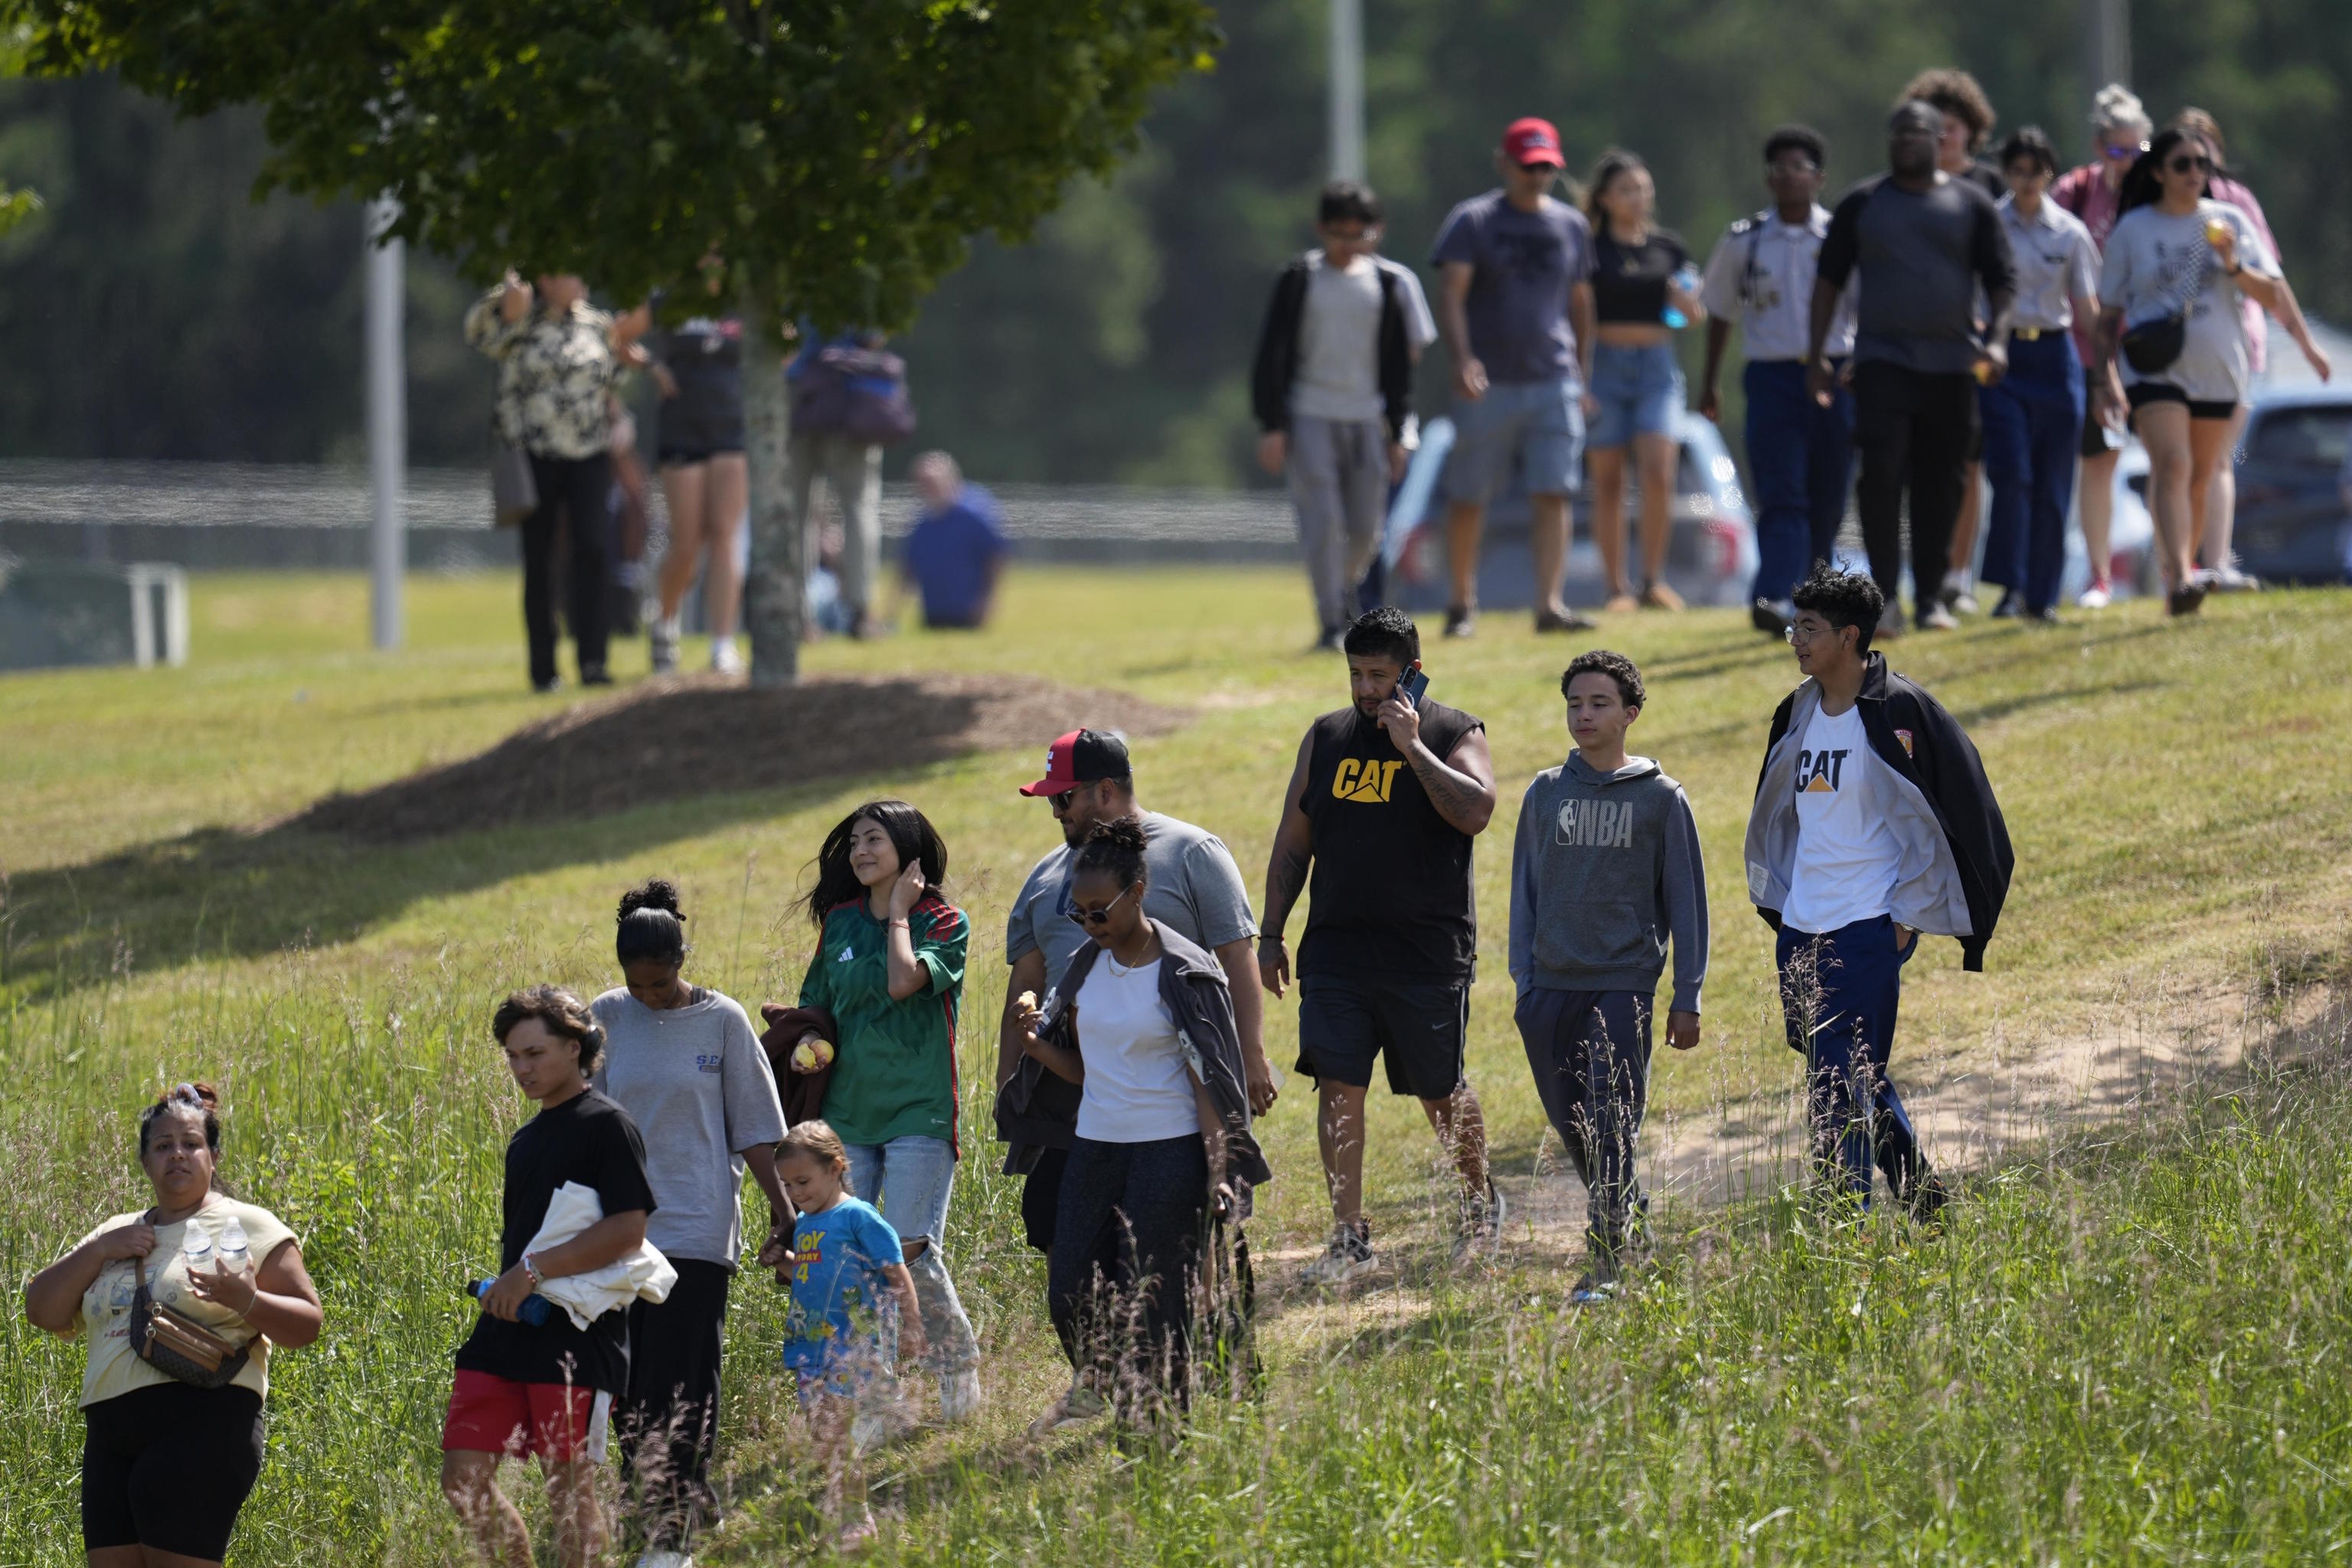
(1515, 311)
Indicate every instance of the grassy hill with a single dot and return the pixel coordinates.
(2122, 1348)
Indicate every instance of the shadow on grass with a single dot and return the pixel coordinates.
(661, 762)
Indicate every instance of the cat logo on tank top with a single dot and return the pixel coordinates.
(1369, 782)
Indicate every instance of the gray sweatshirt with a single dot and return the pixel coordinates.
(1605, 866)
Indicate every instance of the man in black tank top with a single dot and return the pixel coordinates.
(1384, 804)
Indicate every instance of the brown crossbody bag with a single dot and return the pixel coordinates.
(177, 1345)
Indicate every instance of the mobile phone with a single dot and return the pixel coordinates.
(1411, 684)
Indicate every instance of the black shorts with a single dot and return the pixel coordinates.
(686, 457)
(168, 1467)
(1419, 1026)
(2095, 439)
(2141, 393)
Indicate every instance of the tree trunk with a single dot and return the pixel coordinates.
(775, 592)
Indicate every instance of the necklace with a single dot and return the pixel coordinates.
(1121, 971)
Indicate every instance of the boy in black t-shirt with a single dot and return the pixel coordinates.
(1385, 800)
(547, 1388)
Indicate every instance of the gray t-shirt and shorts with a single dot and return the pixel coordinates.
(698, 1085)
(2156, 265)
(1524, 267)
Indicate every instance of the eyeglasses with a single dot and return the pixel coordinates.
(1796, 634)
(1090, 919)
(2188, 161)
(1787, 167)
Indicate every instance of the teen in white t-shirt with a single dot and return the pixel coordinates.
(1846, 855)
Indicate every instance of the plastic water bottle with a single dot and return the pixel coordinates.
(1685, 279)
(236, 1251)
(535, 1309)
(197, 1244)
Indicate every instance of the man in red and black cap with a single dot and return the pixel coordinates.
(1193, 889)
(1516, 311)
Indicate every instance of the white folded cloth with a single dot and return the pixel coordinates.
(586, 1297)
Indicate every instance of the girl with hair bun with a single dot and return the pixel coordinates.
(167, 1458)
(685, 1062)
(1163, 1145)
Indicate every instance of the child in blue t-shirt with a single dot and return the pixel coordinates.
(847, 1273)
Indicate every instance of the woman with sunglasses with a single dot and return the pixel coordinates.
(1143, 1023)
(890, 968)
(2177, 265)
(2221, 572)
(2094, 192)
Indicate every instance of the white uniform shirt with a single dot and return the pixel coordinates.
(2057, 264)
(1846, 858)
(1138, 1089)
(1761, 276)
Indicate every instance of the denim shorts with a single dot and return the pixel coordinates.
(1640, 391)
(908, 1179)
(1538, 425)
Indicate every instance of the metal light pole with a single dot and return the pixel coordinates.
(1346, 90)
(387, 424)
(2108, 27)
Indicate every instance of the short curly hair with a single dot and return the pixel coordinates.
(1616, 667)
(1843, 599)
(1953, 92)
(564, 1014)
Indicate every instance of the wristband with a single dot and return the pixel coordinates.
(531, 1267)
(896, 921)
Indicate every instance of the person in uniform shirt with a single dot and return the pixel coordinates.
(1800, 452)
(2033, 416)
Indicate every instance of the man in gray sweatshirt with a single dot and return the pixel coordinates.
(1604, 869)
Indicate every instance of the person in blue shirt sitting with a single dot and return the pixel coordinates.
(957, 550)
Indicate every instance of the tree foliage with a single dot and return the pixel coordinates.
(840, 156)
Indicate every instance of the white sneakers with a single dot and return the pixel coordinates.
(664, 1558)
(1349, 1257)
(960, 1396)
(724, 659)
(661, 638)
(2097, 596)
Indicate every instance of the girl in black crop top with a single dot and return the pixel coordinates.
(1642, 289)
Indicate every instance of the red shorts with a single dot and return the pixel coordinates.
(559, 1422)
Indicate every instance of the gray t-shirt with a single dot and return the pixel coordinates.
(1923, 254)
(2157, 265)
(699, 1087)
(1525, 263)
(1195, 891)
(1339, 375)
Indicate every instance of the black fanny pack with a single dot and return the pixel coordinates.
(2152, 345)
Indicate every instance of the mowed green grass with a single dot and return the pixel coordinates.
(2177, 794)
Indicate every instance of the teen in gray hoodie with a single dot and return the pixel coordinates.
(1604, 869)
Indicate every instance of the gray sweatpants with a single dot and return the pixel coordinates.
(1339, 483)
(852, 470)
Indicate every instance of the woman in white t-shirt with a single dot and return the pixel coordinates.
(1148, 1166)
(165, 1464)
(2177, 266)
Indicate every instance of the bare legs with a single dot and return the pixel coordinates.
(1548, 531)
(1654, 469)
(2221, 497)
(2096, 497)
(706, 508)
(2182, 456)
(470, 1481)
(1460, 1125)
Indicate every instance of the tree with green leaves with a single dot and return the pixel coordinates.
(838, 157)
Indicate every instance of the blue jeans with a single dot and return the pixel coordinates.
(1639, 389)
(1800, 460)
(909, 1179)
(2032, 425)
(1839, 994)
(1538, 424)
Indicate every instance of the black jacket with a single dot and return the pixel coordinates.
(1038, 1108)
(1925, 753)
(1277, 363)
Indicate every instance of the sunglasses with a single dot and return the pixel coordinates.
(1093, 918)
(1061, 802)
(1539, 169)
(2129, 150)
(2187, 161)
